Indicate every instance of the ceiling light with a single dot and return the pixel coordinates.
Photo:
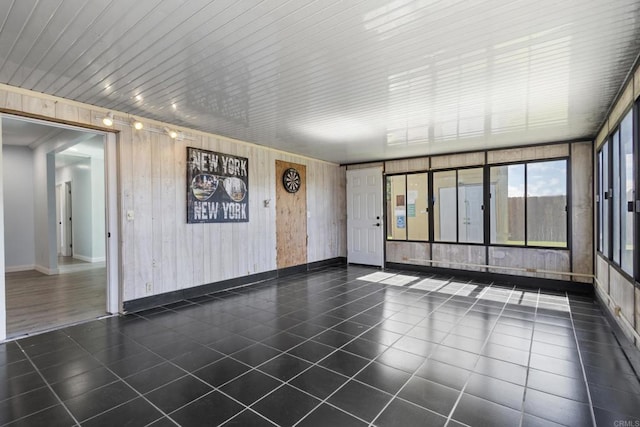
(108, 119)
(137, 124)
(172, 133)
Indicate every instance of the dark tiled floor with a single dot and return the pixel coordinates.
(344, 346)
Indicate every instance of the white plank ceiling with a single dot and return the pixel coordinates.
(340, 80)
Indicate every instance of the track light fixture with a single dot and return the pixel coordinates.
(108, 119)
(172, 133)
(137, 124)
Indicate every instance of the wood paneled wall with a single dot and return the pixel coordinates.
(157, 246)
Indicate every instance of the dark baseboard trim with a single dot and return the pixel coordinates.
(146, 303)
(327, 263)
(196, 291)
(506, 279)
(631, 352)
(290, 271)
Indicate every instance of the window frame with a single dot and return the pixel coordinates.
(567, 160)
(605, 197)
(486, 204)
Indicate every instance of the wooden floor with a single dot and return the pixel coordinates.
(38, 302)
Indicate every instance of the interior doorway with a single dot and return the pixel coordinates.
(56, 204)
(63, 219)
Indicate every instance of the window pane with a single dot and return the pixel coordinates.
(444, 207)
(507, 204)
(628, 194)
(615, 217)
(601, 201)
(396, 208)
(546, 203)
(605, 201)
(470, 200)
(417, 214)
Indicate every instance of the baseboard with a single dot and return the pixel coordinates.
(89, 259)
(146, 303)
(506, 279)
(46, 270)
(16, 268)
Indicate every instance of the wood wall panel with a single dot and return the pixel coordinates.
(158, 246)
(408, 252)
(459, 254)
(291, 218)
(621, 106)
(531, 258)
(622, 292)
(540, 152)
(457, 160)
(582, 209)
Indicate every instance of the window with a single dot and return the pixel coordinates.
(397, 207)
(407, 207)
(458, 206)
(628, 196)
(546, 203)
(526, 205)
(417, 206)
(529, 204)
(616, 196)
(507, 205)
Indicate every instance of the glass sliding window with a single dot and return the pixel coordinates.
(600, 200)
(606, 197)
(546, 203)
(616, 200)
(417, 206)
(470, 200)
(396, 207)
(507, 204)
(444, 206)
(627, 193)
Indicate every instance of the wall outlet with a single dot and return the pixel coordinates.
(149, 287)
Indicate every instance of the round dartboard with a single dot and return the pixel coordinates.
(291, 180)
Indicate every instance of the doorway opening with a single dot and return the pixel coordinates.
(55, 206)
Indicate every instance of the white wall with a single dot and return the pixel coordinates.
(98, 218)
(88, 207)
(81, 210)
(46, 250)
(3, 301)
(17, 170)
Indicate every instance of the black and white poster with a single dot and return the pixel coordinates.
(217, 187)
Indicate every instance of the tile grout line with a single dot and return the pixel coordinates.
(526, 379)
(316, 364)
(584, 373)
(119, 378)
(455, 405)
(375, 358)
(252, 368)
(413, 375)
(48, 386)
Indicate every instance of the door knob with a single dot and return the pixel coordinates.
(377, 224)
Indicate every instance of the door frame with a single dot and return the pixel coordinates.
(114, 301)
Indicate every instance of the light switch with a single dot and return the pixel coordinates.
(130, 216)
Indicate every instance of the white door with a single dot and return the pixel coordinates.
(365, 230)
